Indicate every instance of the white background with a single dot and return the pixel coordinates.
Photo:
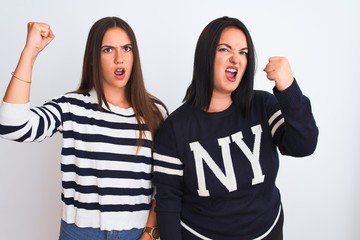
(321, 193)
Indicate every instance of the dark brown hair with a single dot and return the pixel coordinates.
(146, 112)
(200, 90)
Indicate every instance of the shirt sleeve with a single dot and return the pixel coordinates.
(21, 123)
(293, 125)
(168, 174)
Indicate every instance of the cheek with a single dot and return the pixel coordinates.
(103, 64)
(130, 60)
(243, 66)
(218, 65)
(218, 61)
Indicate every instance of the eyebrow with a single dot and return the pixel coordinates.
(228, 46)
(125, 45)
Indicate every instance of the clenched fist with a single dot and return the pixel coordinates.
(39, 35)
(278, 70)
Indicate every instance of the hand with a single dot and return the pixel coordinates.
(278, 70)
(38, 37)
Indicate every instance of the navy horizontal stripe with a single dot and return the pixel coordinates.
(24, 137)
(107, 191)
(105, 173)
(106, 156)
(103, 139)
(87, 106)
(101, 123)
(41, 125)
(105, 208)
(5, 129)
(54, 117)
(77, 102)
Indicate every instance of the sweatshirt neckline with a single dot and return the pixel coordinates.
(220, 114)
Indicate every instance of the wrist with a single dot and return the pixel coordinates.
(152, 232)
(29, 53)
(145, 236)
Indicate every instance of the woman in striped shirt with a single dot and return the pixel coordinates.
(107, 125)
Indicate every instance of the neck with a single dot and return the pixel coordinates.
(117, 99)
(120, 103)
(219, 104)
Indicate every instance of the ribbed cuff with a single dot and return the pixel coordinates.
(14, 113)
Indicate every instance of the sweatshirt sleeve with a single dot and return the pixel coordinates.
(296, 132)
(168, 173)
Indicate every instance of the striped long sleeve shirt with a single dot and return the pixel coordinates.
(106, 182)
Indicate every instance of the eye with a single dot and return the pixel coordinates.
(223, 49)
(244, 53)
(107, 49)
(127, 48)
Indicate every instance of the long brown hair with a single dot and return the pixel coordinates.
(146, 112)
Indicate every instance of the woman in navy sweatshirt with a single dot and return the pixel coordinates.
(216, 157)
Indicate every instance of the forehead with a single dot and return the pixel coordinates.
(116, 36)
(233, 36)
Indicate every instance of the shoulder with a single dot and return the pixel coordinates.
(180, 117)
(87, 97)
(161, 107)
(182, 112)
(66, 101)
(264, 102)
(176, 122)
(262, 94)
(261, 97)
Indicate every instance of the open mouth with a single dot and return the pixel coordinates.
(231, 73)
(119, 72)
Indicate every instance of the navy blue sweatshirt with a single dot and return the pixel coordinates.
(215, 173)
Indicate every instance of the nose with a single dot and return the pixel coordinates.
(234, 59)
(119, 58)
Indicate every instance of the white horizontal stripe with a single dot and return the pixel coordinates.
(106, 147)
(95, 114)
(14, 114)
(271, 228)
(167, 159)
(168, 170)
(53, 110)
(106, 200)
(258, 238)
(104, 220)
(106, 182)
(277, 125)
(107, 165)
(274, 116)
(48, 127)
(193, 231)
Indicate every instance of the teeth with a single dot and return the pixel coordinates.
(119, 72)
(231, 70)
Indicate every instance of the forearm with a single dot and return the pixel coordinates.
(38, 37)
(299, 137)
(18, 90)
(151, 222)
